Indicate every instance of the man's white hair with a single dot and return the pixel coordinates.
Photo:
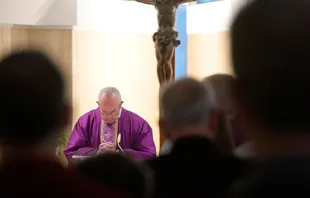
(110, 92)
(183, 103)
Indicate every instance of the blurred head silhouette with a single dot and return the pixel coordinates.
(32, 102)
(270, 56)
(120, 173)
(185, 110)
(220, 87)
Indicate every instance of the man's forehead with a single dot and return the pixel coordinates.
(109, 98)
(108, 104)
(108, 108)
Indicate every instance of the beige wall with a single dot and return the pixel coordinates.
(208, 54)
(5, 39)
(55, 42)
(91, 60)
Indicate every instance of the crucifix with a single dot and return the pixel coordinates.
(108, 134)
(165, 39)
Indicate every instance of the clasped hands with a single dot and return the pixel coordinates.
(107, 147)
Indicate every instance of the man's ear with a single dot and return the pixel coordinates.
(213, 122)
(120, 105)
(97, 103)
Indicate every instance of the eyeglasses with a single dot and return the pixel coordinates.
(112, 113)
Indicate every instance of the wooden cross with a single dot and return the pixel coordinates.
(165, 38)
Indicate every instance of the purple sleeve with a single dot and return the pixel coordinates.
(78, 144)
(144, 147)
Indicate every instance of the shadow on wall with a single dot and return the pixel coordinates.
(44, 11)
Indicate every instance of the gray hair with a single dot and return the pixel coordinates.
(109, 92)
(185, 102)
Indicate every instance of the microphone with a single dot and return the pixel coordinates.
(118, 144)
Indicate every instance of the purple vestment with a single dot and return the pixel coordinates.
(136, 135)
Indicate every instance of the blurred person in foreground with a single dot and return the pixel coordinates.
(230, 135)
(219, 87)
(270, 53)
(119, 172)
(194, 166)
(33, 111)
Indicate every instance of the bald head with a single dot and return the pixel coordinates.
(110, 92)
(220, 87)
(184, 103)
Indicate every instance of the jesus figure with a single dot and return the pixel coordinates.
(111, 129)
(165, 38)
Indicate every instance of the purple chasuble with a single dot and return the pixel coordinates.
(109, 133)
(136, 135)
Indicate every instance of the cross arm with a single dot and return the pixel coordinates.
(178, 2)
(150, 2)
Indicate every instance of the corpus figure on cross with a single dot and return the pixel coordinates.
(165, 38)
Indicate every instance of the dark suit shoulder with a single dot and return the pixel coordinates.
(156, 162)
(195, 168)
(48, 178)
(279, 178)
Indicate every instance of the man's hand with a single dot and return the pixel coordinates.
(106, 147)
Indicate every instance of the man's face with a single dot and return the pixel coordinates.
(109, 109)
